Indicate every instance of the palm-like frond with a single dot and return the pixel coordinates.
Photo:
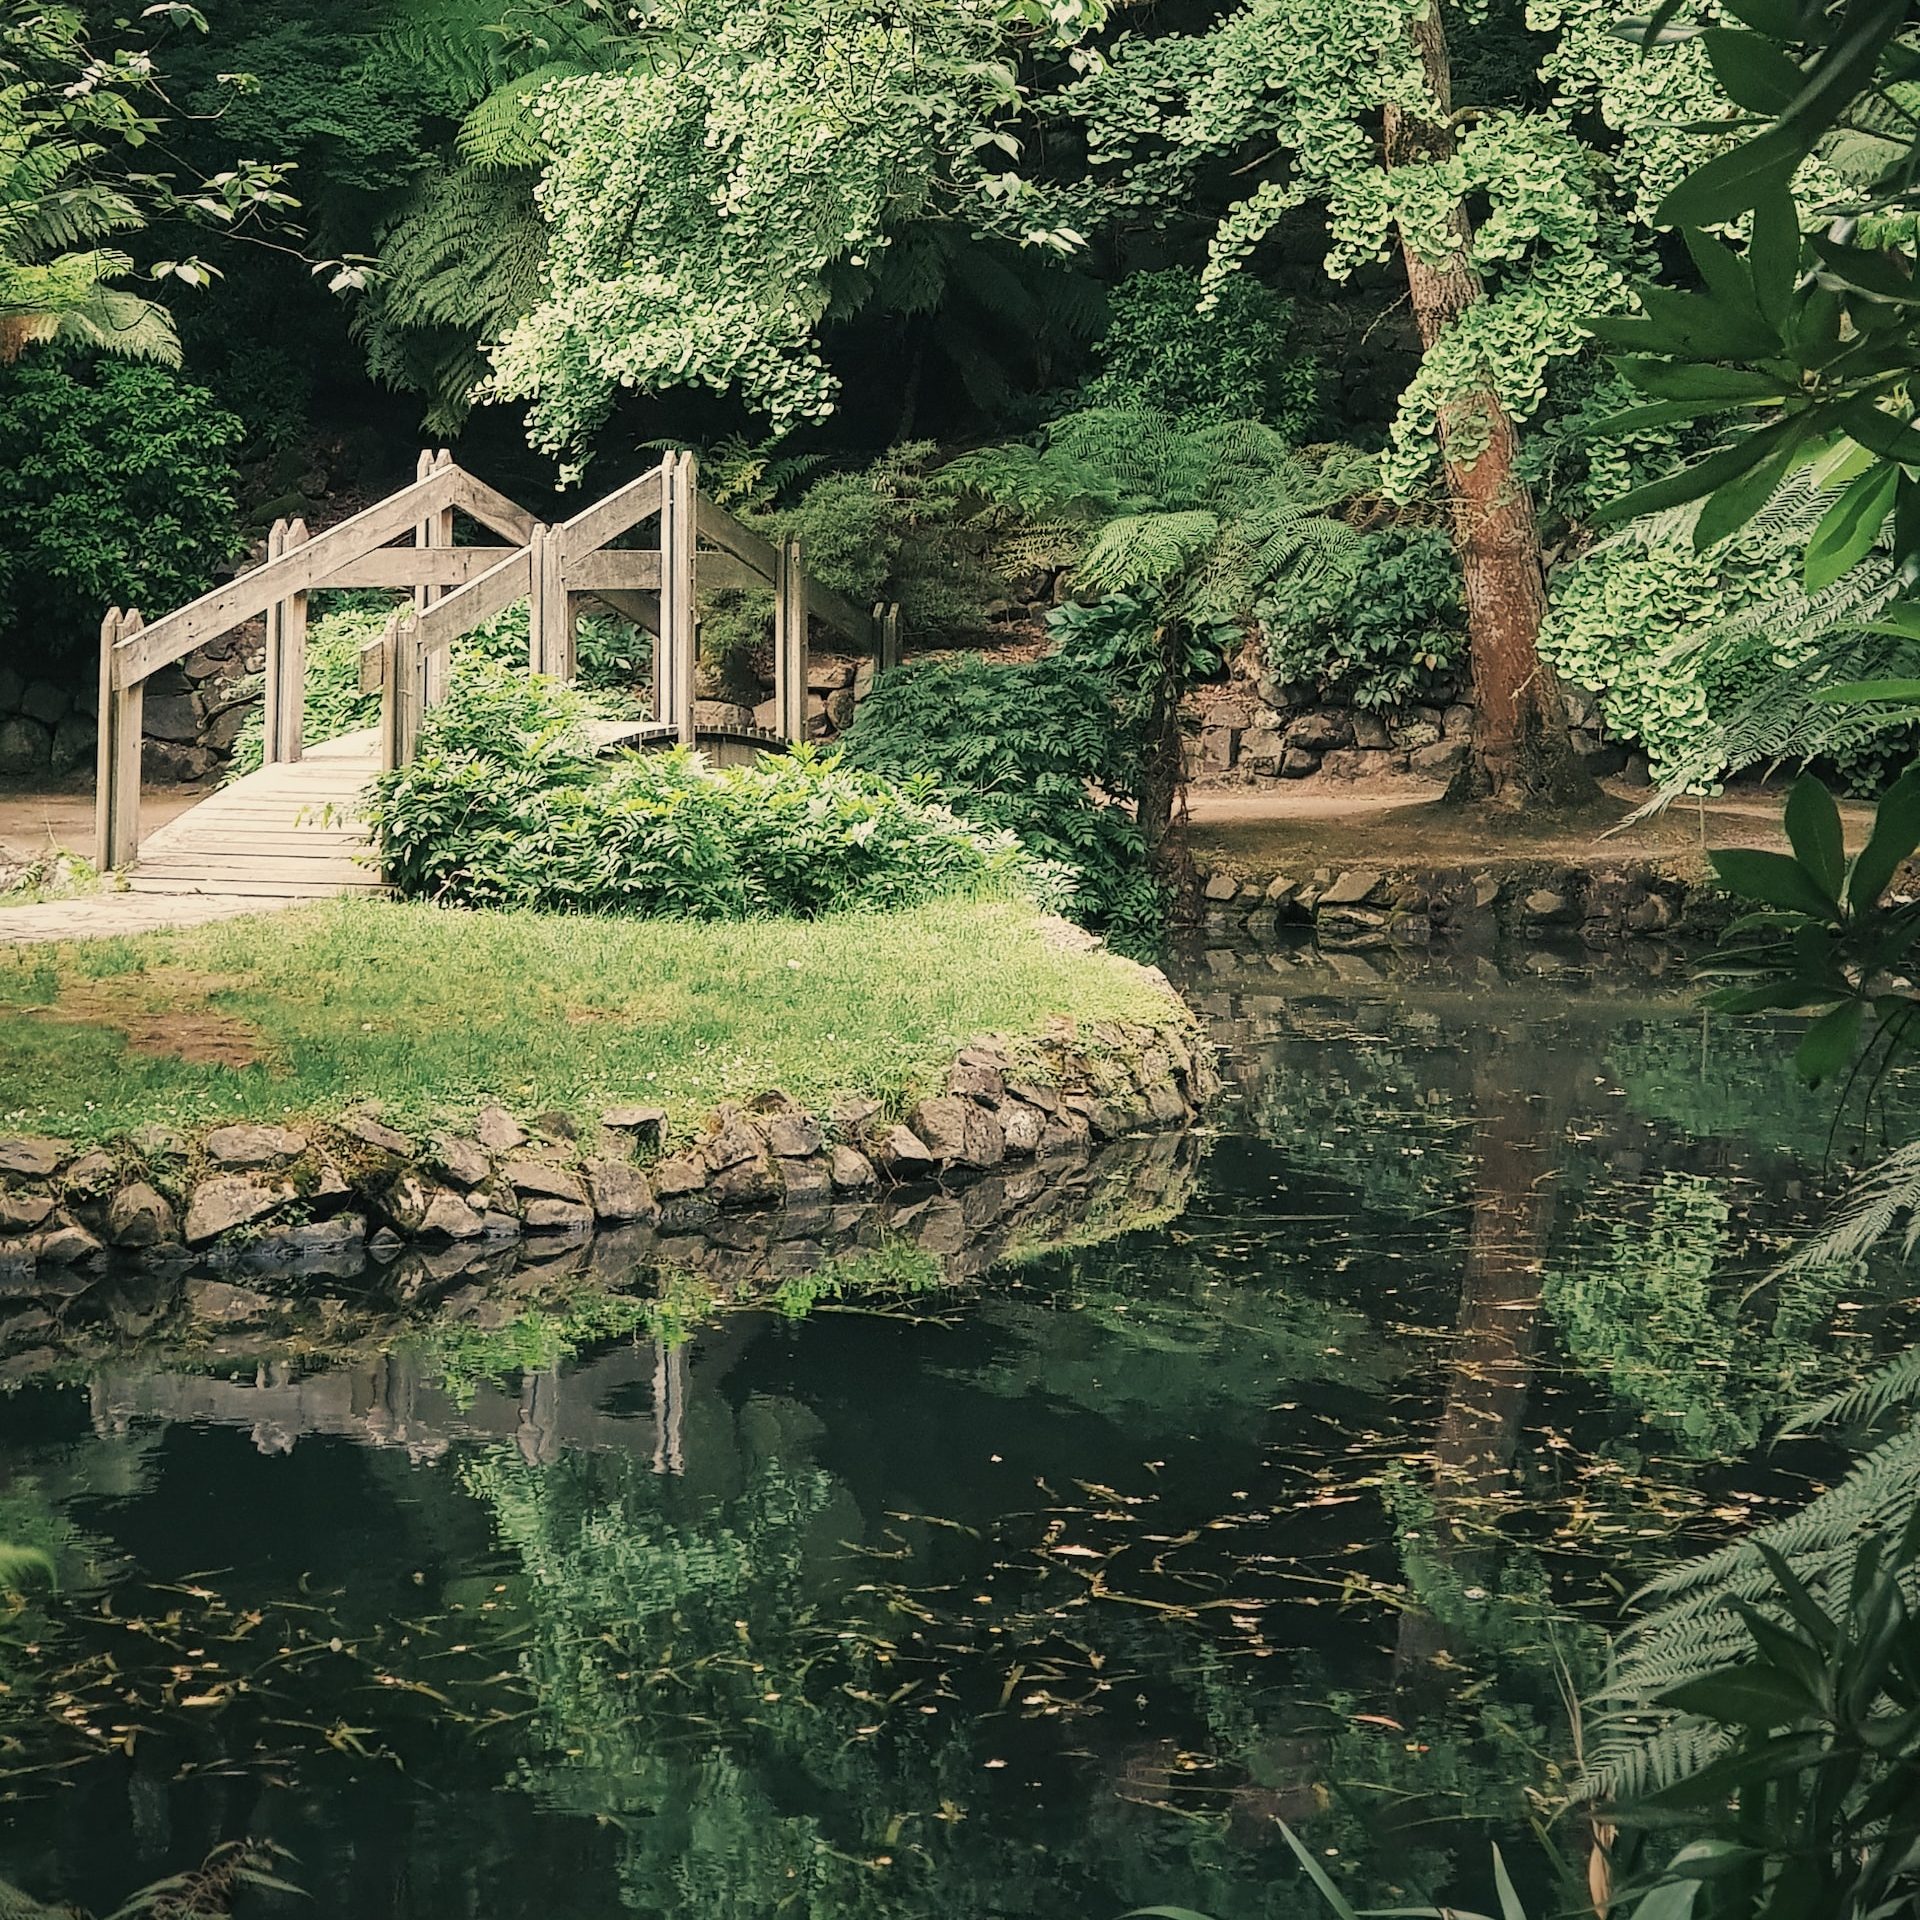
(1202, 519)
(1779, 651)
(56, 282)
(1694, 1629)
(462, 263)
(1894, 1389)
(1146, 552)
(503, 130)
(1888, 1194)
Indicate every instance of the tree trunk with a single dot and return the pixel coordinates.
(1492, 1373)
(1521, 753)
(1160, 802)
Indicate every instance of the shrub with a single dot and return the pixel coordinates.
(505, 806)
(891, 532)
(1035, 748)
(614, 658)
(117, 488)
(1695, 655)
(1234, 362)
(888, 532)
(1387, 635)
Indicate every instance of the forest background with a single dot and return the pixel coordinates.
(1261, 328)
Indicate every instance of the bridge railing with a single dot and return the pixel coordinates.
(406, 542)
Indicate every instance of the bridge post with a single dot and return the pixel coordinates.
(550, 645)
(432, 533)
(790, 644)
(679, 538)
(402, 691)
(889, 618)
(285, 707)
(116, 802)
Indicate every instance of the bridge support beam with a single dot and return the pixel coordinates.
(674, 652)
(790, 652)
(284, 716)
(436, 531)
(402, 690)
(550, 620)
(116, 800)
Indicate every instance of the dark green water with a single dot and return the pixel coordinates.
(1042, 1599)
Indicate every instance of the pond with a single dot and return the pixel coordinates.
(1042, 1596)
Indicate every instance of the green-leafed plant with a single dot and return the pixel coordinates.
(1707, 659)
(891, 531)
(1780, 1739)
(614, 660)
(117, 488)
(462, 245)
(1036, 748)
(1388, 634)
(1191, 525)
(506, 806)
(61, 112)
(703, 206)
(1823, 932)
(887, 531)
(1233, 361)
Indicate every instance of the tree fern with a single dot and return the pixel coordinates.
(460, 261)
(503, 130)
(1201, 520)
(56, 281)
(459, 264)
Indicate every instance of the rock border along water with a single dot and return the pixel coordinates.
(279, 1195)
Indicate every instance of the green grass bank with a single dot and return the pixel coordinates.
(303, 1014)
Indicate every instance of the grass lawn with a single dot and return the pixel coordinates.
(304, 1013)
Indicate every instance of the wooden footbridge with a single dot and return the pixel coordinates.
(292, 830)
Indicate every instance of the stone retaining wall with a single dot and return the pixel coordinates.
(241, 1303)
(192, 715)
(1357, 908)
(1257, 728)
(278, 1194)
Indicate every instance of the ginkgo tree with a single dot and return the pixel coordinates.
(703, 200)
(708, 204)
(1349, 106)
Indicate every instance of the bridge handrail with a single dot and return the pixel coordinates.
(549, 566)
(590, 530)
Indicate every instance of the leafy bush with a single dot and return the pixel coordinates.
(1036, 748)
(614, 658)
(888, 532)
(1700, 656)
(506, 807)
(1233, 362)
(116, 489)
(1387, 636)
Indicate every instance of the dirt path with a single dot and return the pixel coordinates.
(1307, 824)
(32, 822)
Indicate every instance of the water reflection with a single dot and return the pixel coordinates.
(1296, 1477)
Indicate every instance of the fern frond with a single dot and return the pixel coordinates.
(503, 130)
(1895, 1388)
(1696, 1631)
(1869, 1212)
(1144, 552)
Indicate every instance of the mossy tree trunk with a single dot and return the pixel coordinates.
(1521, 752)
